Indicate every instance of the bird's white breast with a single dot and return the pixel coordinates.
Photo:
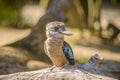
(55, 52)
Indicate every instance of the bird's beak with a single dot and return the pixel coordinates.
(65, 32)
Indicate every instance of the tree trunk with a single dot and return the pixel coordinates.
(55, 12)
(58, 10)
(94, 8)
(87, 71)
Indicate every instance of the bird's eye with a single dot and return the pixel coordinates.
(63, 28)
(96, 58)
(56, 29)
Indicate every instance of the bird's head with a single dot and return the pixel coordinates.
(57, 29)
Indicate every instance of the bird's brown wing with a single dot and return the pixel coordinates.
(68, 53)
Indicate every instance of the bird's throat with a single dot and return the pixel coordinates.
(55, 41)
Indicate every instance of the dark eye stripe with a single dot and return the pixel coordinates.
(56, 28)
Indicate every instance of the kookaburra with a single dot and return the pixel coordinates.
(58, 50)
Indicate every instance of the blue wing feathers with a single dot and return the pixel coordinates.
(68, 53)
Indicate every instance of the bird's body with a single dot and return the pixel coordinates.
(55, 52)
(55, 47)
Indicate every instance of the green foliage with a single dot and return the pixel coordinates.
(10, 11)
(113, 1)
(82, 60)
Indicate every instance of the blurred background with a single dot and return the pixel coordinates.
(94, 23)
